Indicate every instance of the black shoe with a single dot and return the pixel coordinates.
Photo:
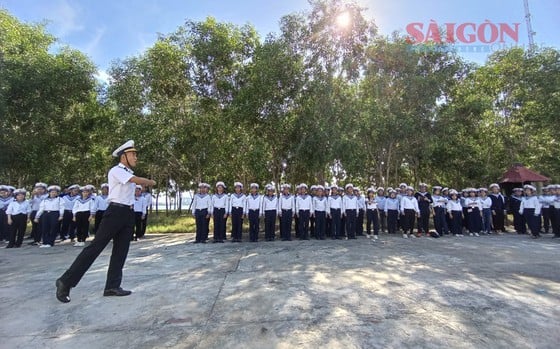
(62, 291)
(10, 246)
(118, 292)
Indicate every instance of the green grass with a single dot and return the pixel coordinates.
(171, 223)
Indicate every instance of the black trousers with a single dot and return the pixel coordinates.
(360, 223)
(219, 224)
(117, 226)
(201, 225)
(408, 221)
(424, 220)
(236, 223)
(254, 216)
(17, 231)
(270, 224)
(98, 219)
(286, 225)
(35, 227)
(498, 220)
(440, 223)
(50, 226)
(145, 223)
(137, 225)
(296, 226)
(545, 212)
(303, 216)
(351, 216)
(456, 222)
(336, 224)
(392, 221)
(475, 220)
(4, 228)
(555, 220)
(328, 224)
(82, 225)
(532, 221)
(68, 228)
(382, 220)
(312, 226)
(519, 223)
(320, 224)
(372, 219)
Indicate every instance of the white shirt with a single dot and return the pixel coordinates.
(36, 201)
(319, 204)
(236, 200)
(473, 203)
(286, 202)
(69, 201)
(392, 204)
(485, 202)
(303, 202)
(439, 201)
(140, 204)
(101, 202)
(4, 202)
(454, 205)
(220, 201)
(121, 190)
(361, 202)
(16, 207)
(51, 204)
(202, 202)
(334, 203)
(254, 202)
(270, 203)
(148, 197)
(409, 203)
(350, 202)
(530, 202)
(371, 204)
(87, 205)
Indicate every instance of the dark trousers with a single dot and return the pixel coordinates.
(519, 223)
(254, 225)
(35, 227)
(98, 219)
(360, 223)
(4, 228)
(17, 229)
(382, 220)
(286, 225)
(236, 223)
(498, 220)
(82, 225)
(328, 225)
(320, 224)
(219, 224)
(532, 221)
(555, 220)
(392, 221)
(312, 226)
(372, 219)
(475, 220)
(486, 220)
(466, 220)
(350, 216)
(439, 220)
(424, 220)
(269, 225)
(68, 228)
(145, 224)
(303, 216)
(137, 225)
(336, 224)
(50, 227)
(408, 221)
(296, 226)
(545, 212)
(117, 226)
(201, 225)
(456, 222)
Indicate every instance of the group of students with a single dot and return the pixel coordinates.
(339, 213)
(65, 214)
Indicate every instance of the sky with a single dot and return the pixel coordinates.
(107, 30)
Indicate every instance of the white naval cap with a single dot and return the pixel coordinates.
(410, 188)
(334, 186)
(270, 187)
(85, 188)
(125, 148)
(517, 189)
(104, 185)
(381, 189)
(313, 187)
(528, 186)
(220, 183)
(40, 185)
(445, 189)
(494, 185)
(53, 187)
(4, 188)
(403, 185)
(254, 185)
(20, 191)
(138, 186)
(371, 190)
(74, 186)
(238, 184)
(423, 185)
(436, 187)
(90, 187)
(303, 185)
(286, 186)
(11, 188)
(349, 185)
(483, 189)
(453, 192)
(320, 187)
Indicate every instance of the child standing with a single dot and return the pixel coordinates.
(530, 209)
(409, 211)
(82, 213)
(303, 211)
(236, 208)
(270, 209)
(5, 199)
(254, 212)
(439, 203)
(392, 207)
(334, 211)
(102, 204)
(319, 211)
(514, 204)
(51, 210)
(380, 198)
(201, 208)
(139, 212)
(498, 208)
(39, 194)
(18, 213)
(219, 214)
(372, 214)
(286, 206)
(68, 229)
(350, 211)
(474, 212)
(486, 205)
(424, 202)
(455, 212)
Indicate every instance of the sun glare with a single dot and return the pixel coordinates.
(343, 20)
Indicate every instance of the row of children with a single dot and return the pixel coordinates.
(339, 212)
(54, 213)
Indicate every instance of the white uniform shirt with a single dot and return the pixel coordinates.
(121, 190)
(220, 201)
(350, 202)
(546, 200)
(87, 205)
(69, 201)
(304, 203)
(49, 205)
(361, 202)
(237, 201)
(36, 200)
(454, 205)
(16, 207)
(485, 202)
(530, 202)
(319, 204)
(286, 202)
(334, 203)
(254, 202)
(439, 201)
(371, 204)
(409, 203)
(148, 197)
(392, 204)
(140, 204)
(473, 203)
(4, 202)
(202, 202)
(270, 203)
(101, 202)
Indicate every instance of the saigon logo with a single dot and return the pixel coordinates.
(486, 32)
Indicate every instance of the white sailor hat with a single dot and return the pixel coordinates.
(464, 190)
(74, 186)
(380, 189)
(104, 185)
(320, 187)
(423, 185)
(371, 190)
(286, 186)
(201, 185)
(85, 188)
(333, 186)
(340, 189)
(40, 185)
(528, 186)
(254, 185)
(138, 186)
(494, 185)
(357, 189)
(238, 184)
(471, 190)
(517, 189)
(313, 187)
(91, 187)
(53, 187)
(11, 188)
(445, 189)
(410, 188)
(403, 185)
(453, 192)
(390, 188)
(220, 183)
(270, 187)
(125, 148)
(4, 188)
(303, 185)
(20, 191)
(349, 185)
(391, 191)
(483, 189)
(436, 187)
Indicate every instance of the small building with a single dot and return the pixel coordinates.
(519, 175)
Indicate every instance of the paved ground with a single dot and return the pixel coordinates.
(487, 292)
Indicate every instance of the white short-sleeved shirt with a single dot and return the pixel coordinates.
(121, 191)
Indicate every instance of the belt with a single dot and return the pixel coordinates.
(120, 205)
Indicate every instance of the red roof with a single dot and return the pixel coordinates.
(520, 174)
